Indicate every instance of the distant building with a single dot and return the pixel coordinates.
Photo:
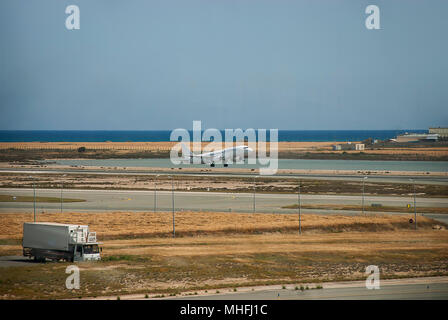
(349, 146)
(337, 147)
(442, 132)
(415, 137)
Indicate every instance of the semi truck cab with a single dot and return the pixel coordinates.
(85, 245)
(87, 252)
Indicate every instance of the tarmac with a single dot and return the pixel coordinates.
(130, 200)
(401, 289)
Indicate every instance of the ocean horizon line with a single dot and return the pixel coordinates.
(164, 135)
(154, 130)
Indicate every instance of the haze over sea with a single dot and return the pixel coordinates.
(164, 135)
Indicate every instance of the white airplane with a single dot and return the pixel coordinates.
(225, 156)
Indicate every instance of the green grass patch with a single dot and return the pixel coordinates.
(10, 198)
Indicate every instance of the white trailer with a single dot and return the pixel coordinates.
(55, 241)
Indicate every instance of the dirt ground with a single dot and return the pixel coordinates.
(149, 146)
(186, 182)
(219, 251)
(28, 151)
(124, 225)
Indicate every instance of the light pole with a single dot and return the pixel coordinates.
(155, 193)
(254, 193)
(34, 202)
(62, 188)
(172, 197)
(415, 205)
(299, 204)
(363, 180)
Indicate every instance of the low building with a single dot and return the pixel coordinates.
(442, 132)
(349, 146)
(337, 147)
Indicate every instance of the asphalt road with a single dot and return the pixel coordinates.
(111, 200)
(420, 289)
(16, 261)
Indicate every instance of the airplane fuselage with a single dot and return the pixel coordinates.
(225, 156)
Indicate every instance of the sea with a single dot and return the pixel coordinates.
(164, 135)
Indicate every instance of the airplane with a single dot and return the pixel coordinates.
(218, 155)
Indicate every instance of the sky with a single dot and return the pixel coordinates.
(160, 64)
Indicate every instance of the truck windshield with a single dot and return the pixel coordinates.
(91, 248)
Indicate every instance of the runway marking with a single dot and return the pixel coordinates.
(377, 293)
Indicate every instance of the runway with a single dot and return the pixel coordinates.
(419, 289)
(121, 200)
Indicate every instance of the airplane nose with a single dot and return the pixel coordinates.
(250, 149)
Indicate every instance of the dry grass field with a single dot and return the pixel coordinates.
(358, 208)
(128, 225)
(222, 251)
(285, 146)
(147, 146)
(28, 151)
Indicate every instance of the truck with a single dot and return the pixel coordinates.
(59, 242)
